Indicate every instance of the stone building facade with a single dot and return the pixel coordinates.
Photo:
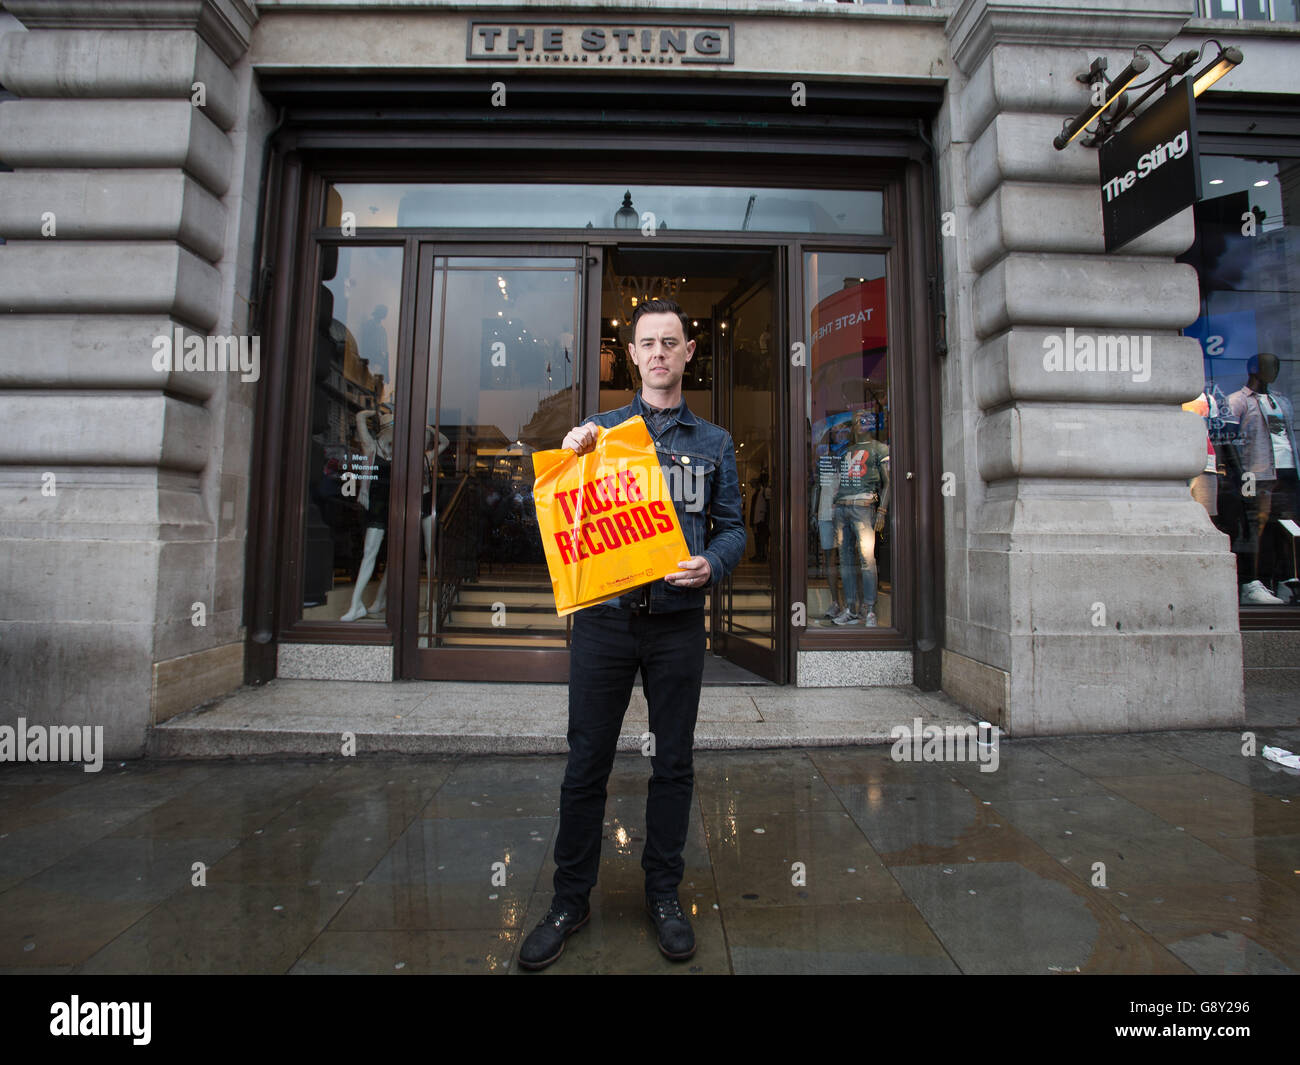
(177, 170)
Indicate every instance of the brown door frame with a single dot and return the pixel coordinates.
(293, 310)
(773, 663)
(469, 663)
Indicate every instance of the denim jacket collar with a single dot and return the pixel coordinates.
(684, 415)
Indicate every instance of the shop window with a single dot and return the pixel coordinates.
(350, 449)
(850, 586)
(1247, 256)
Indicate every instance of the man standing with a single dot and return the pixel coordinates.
(656, 630)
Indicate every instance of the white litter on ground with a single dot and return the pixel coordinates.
(1282, 756)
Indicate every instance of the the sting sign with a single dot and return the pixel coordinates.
(1150, 170)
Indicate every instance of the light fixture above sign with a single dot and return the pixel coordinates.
(1110, 105)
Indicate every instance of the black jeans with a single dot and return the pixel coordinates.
(609, 647)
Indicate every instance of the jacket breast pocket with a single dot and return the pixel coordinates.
(689, 478)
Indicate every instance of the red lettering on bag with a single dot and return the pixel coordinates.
(595, 504)
(662, 520)
(643, 524)
(628, 477)
(566, 548)
(586, 536)
(607, 533)
(624, 523)
(561, 498)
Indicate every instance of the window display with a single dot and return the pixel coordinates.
(849, 467)
(1246, 256)
(349, 460)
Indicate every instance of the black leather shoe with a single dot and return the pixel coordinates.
(545, 943)
(676, 937)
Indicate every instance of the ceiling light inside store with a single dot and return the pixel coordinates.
(1216, 181)
(1260, 184)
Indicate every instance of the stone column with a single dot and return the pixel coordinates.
(122, 488)
(1086, 590)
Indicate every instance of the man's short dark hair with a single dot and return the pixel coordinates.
(658, 306)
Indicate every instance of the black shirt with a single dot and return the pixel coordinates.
(658, 419)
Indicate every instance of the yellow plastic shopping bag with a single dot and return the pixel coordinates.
(607, 521)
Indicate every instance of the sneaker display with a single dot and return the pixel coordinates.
(870, 622)
(847, 617)
(1255, 593)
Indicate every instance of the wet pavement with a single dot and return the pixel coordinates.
(1153, 853)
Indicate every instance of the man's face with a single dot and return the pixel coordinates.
(661, 351)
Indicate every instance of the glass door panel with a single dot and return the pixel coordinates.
(504, 351)
(748, 361)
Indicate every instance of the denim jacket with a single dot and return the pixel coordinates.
(698, 459)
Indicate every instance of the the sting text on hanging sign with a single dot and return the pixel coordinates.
(1150, 170)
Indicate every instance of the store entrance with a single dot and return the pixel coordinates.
(514, 345)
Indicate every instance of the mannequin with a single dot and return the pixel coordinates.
(373, 497)
(828, 481)
(861, 503)
(1268, 450)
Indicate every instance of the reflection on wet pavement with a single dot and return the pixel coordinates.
(1160, 853)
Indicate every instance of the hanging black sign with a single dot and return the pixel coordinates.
(1150, 170)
